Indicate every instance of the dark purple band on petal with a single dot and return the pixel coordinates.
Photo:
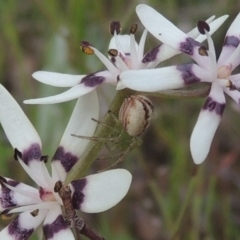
(67, 159)
(231, 41)
(58, 225)
(78, 196)
(187, 74)
(33, 153)
(188, 46)
(14, 229)
(92, 80)
(211, 105)
(151, 55)
(6, 197)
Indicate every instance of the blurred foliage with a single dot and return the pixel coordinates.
(170, 198)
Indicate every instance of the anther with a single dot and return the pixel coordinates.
(133, 28)
(113, 52)
(6, 215)
(34, 213)
(203, 51)
(58, 186)
(202, 26)
(44, 158)
(86, 48)
(115, 26)
(17, 154)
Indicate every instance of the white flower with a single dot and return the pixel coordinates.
(124, 54)
(207, 69)
(94, 193)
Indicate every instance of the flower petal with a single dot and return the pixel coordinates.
(231, 41)
(168, 33)
(19, 130)
(23, 194)
(207, 123)
(57, 79)
(55, 227)
(101, 191)
(88, 84)
(22, 227)
(80, 123)
(234, 94)
(173, 77)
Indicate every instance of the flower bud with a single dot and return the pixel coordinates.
(135, 114)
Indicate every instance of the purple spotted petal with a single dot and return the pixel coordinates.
(54, 226)
(88, 84)
(19, 130)
(231, 41)
(207, 123)
(71, 148)
(22, 227)
(152, 80)
(101, 191)
(57, 79)
(23, 194)
(168, 33)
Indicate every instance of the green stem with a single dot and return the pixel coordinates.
(102, 131)
(184, 208)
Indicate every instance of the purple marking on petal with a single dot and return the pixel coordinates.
(78, 196)
(231, 41)
(151, 55)
(6, 198)
(211, 105)
(58, 225)
(187, 74)
(32, 153)
(67, 159)
(92, 81)
(14, 229)
(188, 46)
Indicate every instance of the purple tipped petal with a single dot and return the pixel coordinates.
(231, 41)
(22, 227)
(19, 130)
(152, 80)
(207, 123)
(54, 226)
(99, 192)
(10, 198)
(71, 148)
(58, 79)
(72, 93)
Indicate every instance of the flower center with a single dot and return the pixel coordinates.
(46, 195)
(224, 72)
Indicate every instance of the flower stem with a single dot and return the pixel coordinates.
(102, 131)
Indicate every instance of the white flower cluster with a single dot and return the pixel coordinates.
(126, 67)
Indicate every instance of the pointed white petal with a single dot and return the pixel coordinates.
(152, 80)
(19, 130)
(207, 123)
(72, 93)
(168, 33)
(57, 79)
(22, 227)
(54, 226)
(20, 194)
(101, 191)
(88, 84)
(124, 41)
(80, 123)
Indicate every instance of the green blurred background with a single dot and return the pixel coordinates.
(170, 198)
